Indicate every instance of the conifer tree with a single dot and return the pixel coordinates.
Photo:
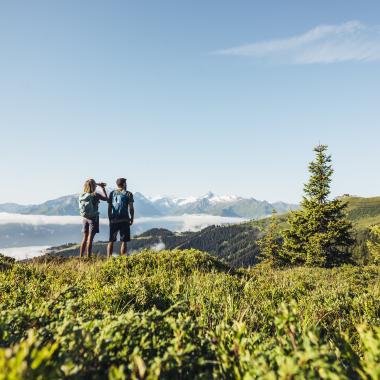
(319, 233)
(374, 245)
(270, 245)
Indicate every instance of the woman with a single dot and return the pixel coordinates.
(89, 210)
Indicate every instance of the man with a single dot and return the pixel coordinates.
(120, 214)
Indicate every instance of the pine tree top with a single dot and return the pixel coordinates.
(317, 189)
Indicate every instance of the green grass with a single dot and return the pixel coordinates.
(363, 212)
(186, 315)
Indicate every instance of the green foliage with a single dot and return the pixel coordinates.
(186, 315)
(363, 212)
(6, 262)
(374, 245)
(270, 244)
(319, 234)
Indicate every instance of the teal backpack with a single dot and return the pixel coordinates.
(87, 207)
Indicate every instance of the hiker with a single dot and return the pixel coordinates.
(88, 207)
(120, 214)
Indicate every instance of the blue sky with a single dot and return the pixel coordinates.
(186, 97)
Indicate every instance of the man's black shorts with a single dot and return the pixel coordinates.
(124, 229)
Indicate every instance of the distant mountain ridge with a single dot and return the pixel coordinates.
(225, 205)
(211, 204)
(66, 205)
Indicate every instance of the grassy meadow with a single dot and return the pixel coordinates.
(186, 315)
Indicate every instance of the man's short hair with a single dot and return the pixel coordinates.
(120, 182)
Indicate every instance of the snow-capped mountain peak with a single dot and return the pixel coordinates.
(224, 198)
(165, 200)
(183, 201)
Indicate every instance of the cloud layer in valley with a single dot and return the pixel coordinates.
(38, 220)
(30, 231)
(188, 222)
(351, 41)
(193, 222)
(22, 253)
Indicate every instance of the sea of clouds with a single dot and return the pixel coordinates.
(188, 222)
(26, 236)
(22, 253)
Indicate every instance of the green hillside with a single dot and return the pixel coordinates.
(363, 212)
(186, 315)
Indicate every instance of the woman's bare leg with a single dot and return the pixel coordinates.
(89, 244)
(83, 245)
(123, 248)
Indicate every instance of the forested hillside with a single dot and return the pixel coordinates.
(363, 212)
(235, 244)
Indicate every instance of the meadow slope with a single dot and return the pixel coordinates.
(186, 315)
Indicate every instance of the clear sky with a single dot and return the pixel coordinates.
(182, 97)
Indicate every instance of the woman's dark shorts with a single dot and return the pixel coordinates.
(90, 226)
(125, 231)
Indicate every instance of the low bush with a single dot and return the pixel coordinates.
(185, 315)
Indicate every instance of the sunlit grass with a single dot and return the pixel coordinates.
(184, 314)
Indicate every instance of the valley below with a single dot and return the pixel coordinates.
(233, 239)
(20, 232)
(57, 222)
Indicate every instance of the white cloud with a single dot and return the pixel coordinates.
(38, 220)
(175, 223)
(22, 253)
(180, 223)
(158, 246)
(190, 222)
(351, 41)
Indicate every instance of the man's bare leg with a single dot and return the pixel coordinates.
(83, 245)
(109, 249)
(123, 248)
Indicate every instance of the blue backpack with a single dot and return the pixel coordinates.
(120, 202)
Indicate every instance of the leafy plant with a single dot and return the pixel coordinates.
(270, 244)
(185, 315)
(374, 245)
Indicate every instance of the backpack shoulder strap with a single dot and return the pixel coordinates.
(130, 197)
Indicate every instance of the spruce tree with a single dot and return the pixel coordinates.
(270, 243)
(319, 233)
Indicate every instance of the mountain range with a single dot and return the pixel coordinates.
(211, 204)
